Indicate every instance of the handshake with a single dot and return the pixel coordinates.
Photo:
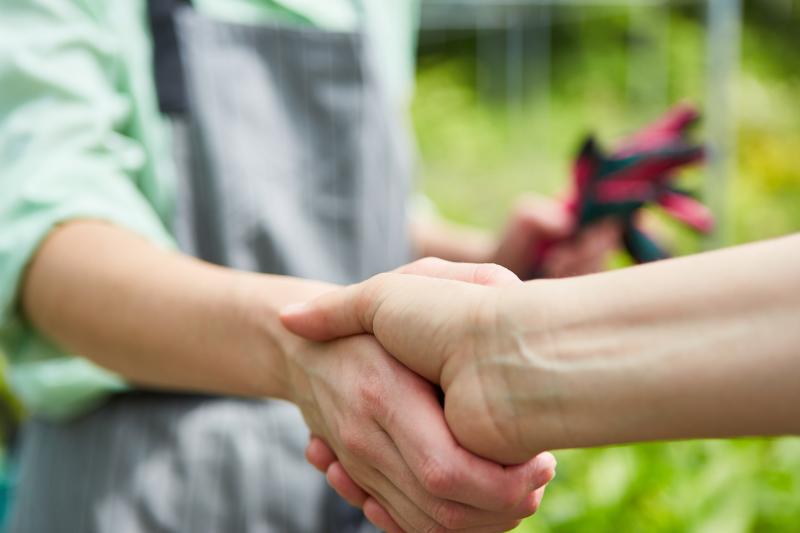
(384, 439)
(697, 347)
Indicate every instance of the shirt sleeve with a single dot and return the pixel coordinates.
(68, 150)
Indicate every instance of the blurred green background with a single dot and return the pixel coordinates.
(479, 151)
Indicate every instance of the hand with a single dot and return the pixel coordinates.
(670, 350)
(447, 331)
(536, 219)
(387, 429)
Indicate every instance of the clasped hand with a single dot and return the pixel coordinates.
(383, 440)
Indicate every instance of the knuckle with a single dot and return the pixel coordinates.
(427, 263)
(372, 395)
(369, 389)
(492, 273)
(378, 281)
(450, 515)
(355, 442)
(508, 499)
(438, 478)
(508, 496)
(370, 295)
(525, 509)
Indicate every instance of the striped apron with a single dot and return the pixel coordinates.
(293, 161)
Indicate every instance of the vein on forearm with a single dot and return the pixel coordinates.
(697, 347)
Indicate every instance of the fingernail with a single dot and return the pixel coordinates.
(549, 460)
(545, 470)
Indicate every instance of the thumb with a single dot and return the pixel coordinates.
(339, 313)
(351, 310)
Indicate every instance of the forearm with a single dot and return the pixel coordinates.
(158, 318)
(705, 346)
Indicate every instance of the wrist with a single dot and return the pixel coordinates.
(260, 298)
(572, 388)
(600, 362)
(657, 351)
(502, 396)
(526, 316)
(262, 338)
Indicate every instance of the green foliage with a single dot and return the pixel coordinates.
(478, 155)
(726, 486)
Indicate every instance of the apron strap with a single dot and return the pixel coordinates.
(167, 68)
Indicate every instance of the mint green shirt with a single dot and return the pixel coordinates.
(81, 137)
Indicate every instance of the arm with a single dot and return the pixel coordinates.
(80, 138)
(164, 320)
(704, 346)
(78, 145)
(128, 306)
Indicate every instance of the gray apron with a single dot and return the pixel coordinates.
(297, 161)
(292, 161)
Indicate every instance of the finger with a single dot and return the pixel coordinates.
(391, 306)
(344, 485)
(395, 480)
(449, 514)
(571, 265)
(376, 514)
(379, 489)
(477, 273)
(533, 223)
(538, 496)
(319, 454)
(587, 253)
(351, 310)
(412, 518)
(497, 528)
(601, 238)
(590, 252)
(400, 511)
(543, 217)
(557, 261)
(535, 499)
(450, 472)
(543, 469)
(340, 313)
